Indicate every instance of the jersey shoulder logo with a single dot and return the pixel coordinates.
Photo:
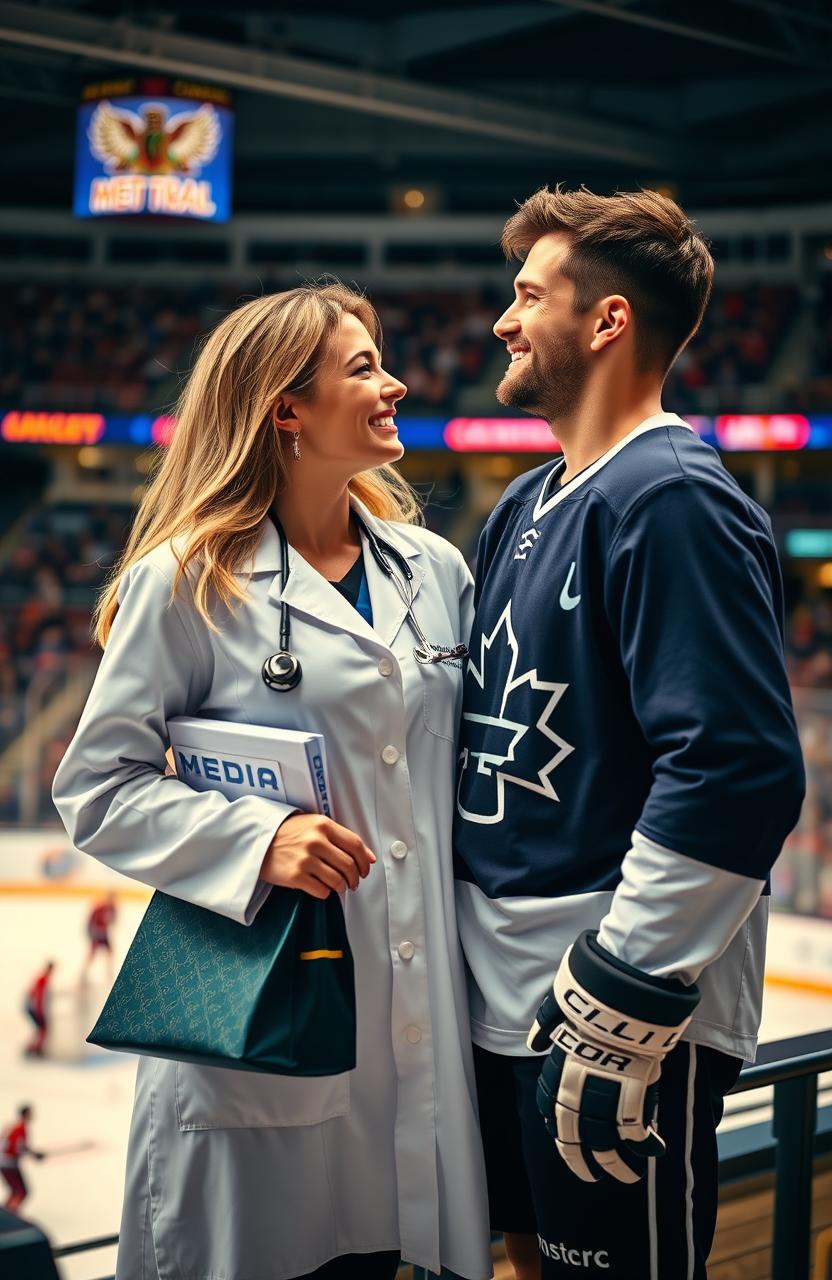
(501, 745)
(568, 601)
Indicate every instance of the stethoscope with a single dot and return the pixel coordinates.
(282, 671)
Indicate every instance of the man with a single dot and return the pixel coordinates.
(36, 1007)
(14, 1143)
(629, 762)
(99, 922)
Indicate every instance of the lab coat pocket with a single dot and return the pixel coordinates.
(218, 1098)
(443, 698)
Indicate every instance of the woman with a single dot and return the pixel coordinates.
(240, 1176)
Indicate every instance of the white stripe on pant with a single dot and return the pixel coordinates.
(652, 1219)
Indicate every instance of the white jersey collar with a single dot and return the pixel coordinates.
(545, 504)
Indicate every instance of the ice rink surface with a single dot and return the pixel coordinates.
(82, 1097)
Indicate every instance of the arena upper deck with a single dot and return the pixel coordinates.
(476, 104)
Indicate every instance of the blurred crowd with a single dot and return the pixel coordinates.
(107, 349)
(802, 875)
(820, 386)
(740, 337)
(48, 586)
(125, 349)
(809, 643)
(439, 343)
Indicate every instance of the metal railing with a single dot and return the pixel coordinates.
(792, 1068)
(86, 1246)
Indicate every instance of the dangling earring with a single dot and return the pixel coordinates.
(296, 446)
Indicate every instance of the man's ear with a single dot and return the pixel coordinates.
(283, 413)
(612, 319)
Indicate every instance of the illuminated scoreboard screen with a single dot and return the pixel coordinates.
(147, 147)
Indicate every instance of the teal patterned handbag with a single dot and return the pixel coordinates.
(276, 996)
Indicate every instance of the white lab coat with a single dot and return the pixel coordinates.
(240, 1176)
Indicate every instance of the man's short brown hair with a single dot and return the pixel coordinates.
(636, 243)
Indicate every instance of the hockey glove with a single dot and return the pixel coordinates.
(610, 1026)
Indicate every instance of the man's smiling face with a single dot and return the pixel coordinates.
(548, 350)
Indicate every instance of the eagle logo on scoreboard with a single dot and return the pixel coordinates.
(154, 141)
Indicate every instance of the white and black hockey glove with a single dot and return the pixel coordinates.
(610, 1026)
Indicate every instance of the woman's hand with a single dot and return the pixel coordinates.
(315, 854)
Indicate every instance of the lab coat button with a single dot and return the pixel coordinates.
(413, 1034)
(389, 755)
(385, 667)
(406, 950)
(398, 849)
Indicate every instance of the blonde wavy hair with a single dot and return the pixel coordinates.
(215, 482)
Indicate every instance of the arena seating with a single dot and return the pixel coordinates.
(819, 390)
(809, 644)
(740, 336)
(125, 349)
(48, 585)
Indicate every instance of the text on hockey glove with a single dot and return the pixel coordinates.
(610, 1026)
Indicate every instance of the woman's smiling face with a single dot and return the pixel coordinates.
(349, 420)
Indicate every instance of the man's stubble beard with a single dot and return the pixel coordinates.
(552, 381)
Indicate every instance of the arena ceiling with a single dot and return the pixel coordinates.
(726, 102)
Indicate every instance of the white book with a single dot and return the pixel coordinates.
(250, 759)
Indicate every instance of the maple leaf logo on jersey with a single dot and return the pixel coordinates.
(499, 745)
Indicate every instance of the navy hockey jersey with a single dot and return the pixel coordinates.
(625, 698)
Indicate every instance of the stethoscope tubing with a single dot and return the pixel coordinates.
(282, 671)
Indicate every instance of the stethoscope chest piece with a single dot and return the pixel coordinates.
(282, 671)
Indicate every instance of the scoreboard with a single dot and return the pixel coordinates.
(149, 147)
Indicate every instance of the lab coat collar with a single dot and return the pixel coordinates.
(309, 593)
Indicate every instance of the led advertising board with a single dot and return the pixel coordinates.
(735, 433)
(762, 431)
(148, 148)
(25, 427)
